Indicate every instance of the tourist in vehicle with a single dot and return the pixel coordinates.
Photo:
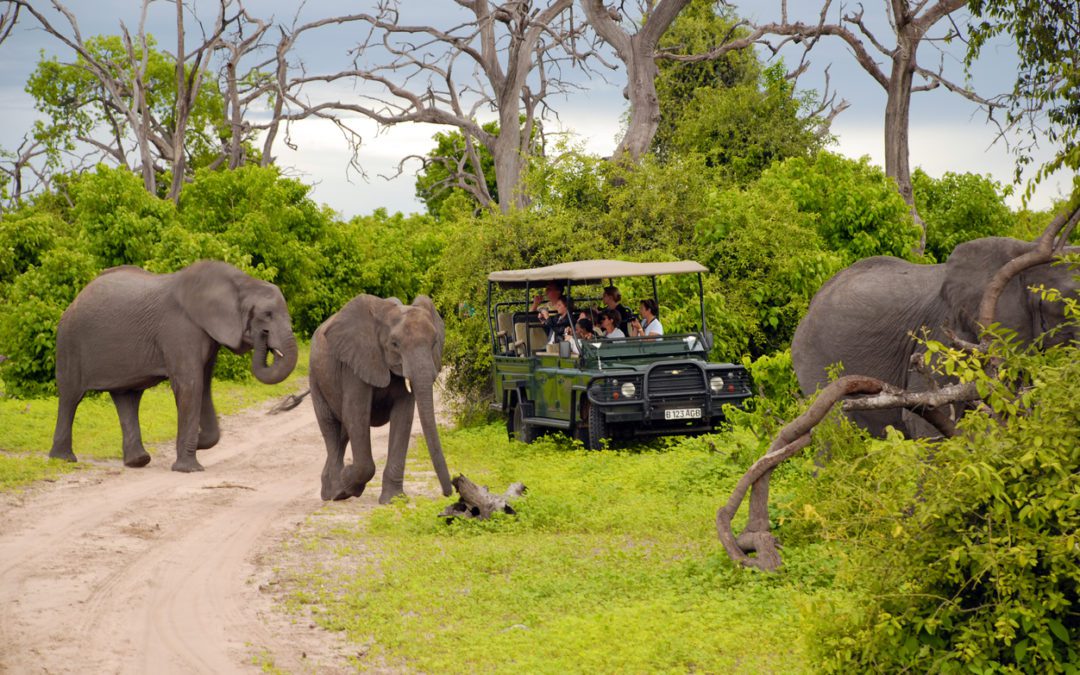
(612, 299)
(649, 325)
(584, 330)
(558, 323)
(609, 324)
(552, 292)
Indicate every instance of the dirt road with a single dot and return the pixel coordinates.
(151, 571)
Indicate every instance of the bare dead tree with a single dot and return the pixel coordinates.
(507, 58)
(873, 394)
(160, 142)
(8, 18)
(911, 22)
(234, 52)
(20, 175)
(637, 51)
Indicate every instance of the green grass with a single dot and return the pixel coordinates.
(611, 565)
(26, 426)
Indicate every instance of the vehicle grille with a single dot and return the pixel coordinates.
(676, 379)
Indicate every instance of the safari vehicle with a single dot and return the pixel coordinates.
(612, 388)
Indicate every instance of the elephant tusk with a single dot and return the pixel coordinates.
(277, 353)
(408, 385)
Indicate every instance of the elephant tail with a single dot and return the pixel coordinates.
(289, 402)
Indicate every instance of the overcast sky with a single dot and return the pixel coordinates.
(947, 132)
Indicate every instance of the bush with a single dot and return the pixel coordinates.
(29, 317)
(119, 219)
(966, 550)
(856, 207)
(960, 207)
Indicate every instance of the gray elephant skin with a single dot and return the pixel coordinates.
(372, 363)
(864, 317)
(130, 329)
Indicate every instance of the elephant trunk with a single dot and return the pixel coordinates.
(284, 357)
(425, 406)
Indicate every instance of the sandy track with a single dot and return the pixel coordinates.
(151, 571)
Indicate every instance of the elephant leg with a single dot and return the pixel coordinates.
(335, 438)
(188, 394)
(209, 432)
(401, 417)
(65, 418)
(356, 417)
(127, 408)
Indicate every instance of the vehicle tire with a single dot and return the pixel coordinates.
(519, 428)
(597, 430)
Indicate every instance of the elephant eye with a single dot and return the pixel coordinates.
(395, 344)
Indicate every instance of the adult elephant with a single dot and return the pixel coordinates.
(865, 316)
(129, 330)
(372, 363)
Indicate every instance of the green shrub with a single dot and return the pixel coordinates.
(119, 219)
(856, 207)
(29, 317)
(966, 550)
(959, 207)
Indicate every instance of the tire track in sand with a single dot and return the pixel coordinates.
(151, 571)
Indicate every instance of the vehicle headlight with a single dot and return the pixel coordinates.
(628, 389)
(716, 384)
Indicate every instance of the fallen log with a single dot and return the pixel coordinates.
(478, 502)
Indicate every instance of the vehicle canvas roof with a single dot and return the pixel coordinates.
(593, 271)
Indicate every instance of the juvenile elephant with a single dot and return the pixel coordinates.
(371, 363)
(863, 317)
(129, 330)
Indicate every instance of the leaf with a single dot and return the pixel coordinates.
(1058, 630)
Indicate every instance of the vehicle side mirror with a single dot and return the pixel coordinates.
(707, 340)
(564, 349)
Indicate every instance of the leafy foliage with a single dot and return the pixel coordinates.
(967, 549)
(435, 183)
(28, 321)
(959, 208)
(76, 104)
(1045, 33)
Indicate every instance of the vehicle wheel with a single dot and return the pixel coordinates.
(520, 429)
(597, 430)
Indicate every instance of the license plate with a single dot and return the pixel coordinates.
(682, 414)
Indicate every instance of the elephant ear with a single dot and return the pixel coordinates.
(355, 337)
(207, 292)
(968, 271)
(425, 302)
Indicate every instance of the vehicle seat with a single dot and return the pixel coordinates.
(504, 323)
(538, 338)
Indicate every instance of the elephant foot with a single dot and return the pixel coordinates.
(137, 461)
(345, 493)
(66, 455)
(389, 493)
(187, 465)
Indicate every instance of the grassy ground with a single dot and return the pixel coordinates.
(611, 565)
(26, 427)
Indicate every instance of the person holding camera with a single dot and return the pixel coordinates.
(649, 325)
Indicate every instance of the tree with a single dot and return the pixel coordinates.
(1044, 99)
(637, 51)
(444, 171)
(911, 23)
(506, 57)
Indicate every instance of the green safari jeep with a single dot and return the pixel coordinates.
(600, 388)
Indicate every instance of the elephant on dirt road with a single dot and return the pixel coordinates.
(865, 316)
(130, 329)
(371, 363)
